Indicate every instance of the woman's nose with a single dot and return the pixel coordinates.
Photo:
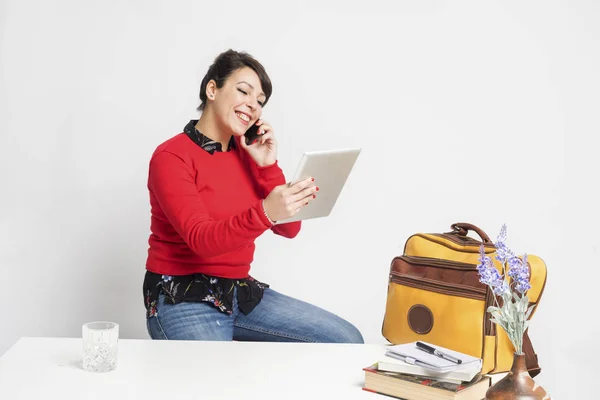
(252, 104)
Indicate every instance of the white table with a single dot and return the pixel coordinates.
(50, 368)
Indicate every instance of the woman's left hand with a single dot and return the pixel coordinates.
(264, 149)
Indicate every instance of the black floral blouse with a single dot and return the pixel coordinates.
(202, 288)
(199, 287)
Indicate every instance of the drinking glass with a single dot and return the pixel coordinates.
(100, 341)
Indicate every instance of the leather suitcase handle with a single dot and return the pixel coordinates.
(462, 228)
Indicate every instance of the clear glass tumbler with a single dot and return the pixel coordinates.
(100, 343)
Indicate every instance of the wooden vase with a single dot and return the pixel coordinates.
(517, 384)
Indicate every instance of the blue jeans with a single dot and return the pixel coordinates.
(277, 318)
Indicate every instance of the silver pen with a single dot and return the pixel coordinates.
(436, 352)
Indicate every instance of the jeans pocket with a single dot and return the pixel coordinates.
(153, 325)
(148, 327)
(155, 329)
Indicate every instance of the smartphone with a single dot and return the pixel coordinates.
(251, 134)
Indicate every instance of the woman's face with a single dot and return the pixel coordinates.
(238, 104)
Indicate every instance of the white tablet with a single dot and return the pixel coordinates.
(331, 169)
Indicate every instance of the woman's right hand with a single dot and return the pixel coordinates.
(285, 201)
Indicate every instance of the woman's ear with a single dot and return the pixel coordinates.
(211, 89)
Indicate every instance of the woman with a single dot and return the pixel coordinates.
(211, 196)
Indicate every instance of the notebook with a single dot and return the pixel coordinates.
(411, 354)
(460, 375)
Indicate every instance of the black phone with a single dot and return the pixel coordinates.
(251, 134)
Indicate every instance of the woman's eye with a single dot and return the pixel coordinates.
(261, 103)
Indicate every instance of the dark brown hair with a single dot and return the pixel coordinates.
(226, 64)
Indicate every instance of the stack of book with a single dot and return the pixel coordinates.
(422, 371)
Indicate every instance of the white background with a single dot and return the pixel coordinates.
(483, 112)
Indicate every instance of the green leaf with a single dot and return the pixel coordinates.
(529, 311)
(496, 316)
(501, 323)
(519, 307)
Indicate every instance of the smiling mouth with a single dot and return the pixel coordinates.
(245, 118)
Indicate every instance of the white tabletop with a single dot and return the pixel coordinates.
(50, 368)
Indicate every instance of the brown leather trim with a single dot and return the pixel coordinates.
(531, 360)
(464, 240)
(463, 228)
(420, 319)
(449, 273)
(534, 372)
(489, 327)
(438, 286)
(437, 262)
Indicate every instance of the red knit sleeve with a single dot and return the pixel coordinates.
(171, 181)
(269, 177)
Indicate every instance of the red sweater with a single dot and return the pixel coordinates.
(206, 209)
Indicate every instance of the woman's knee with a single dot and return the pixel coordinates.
(342, 331)
(293, 318)
(353, 335)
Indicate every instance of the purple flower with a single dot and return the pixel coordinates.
(489, 275)
(502, 235)
(517, 268)
(502, 288)
(519, 272)
(503, 253)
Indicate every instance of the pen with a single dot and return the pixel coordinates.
(436, 352)
(411, 360)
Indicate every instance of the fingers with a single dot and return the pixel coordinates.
(243, 143)
(284, 202)
(303, 202)
(263, 126)
(303, 197)
(265, 137)
(305, 193)
(265, 132)
(301, 185)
